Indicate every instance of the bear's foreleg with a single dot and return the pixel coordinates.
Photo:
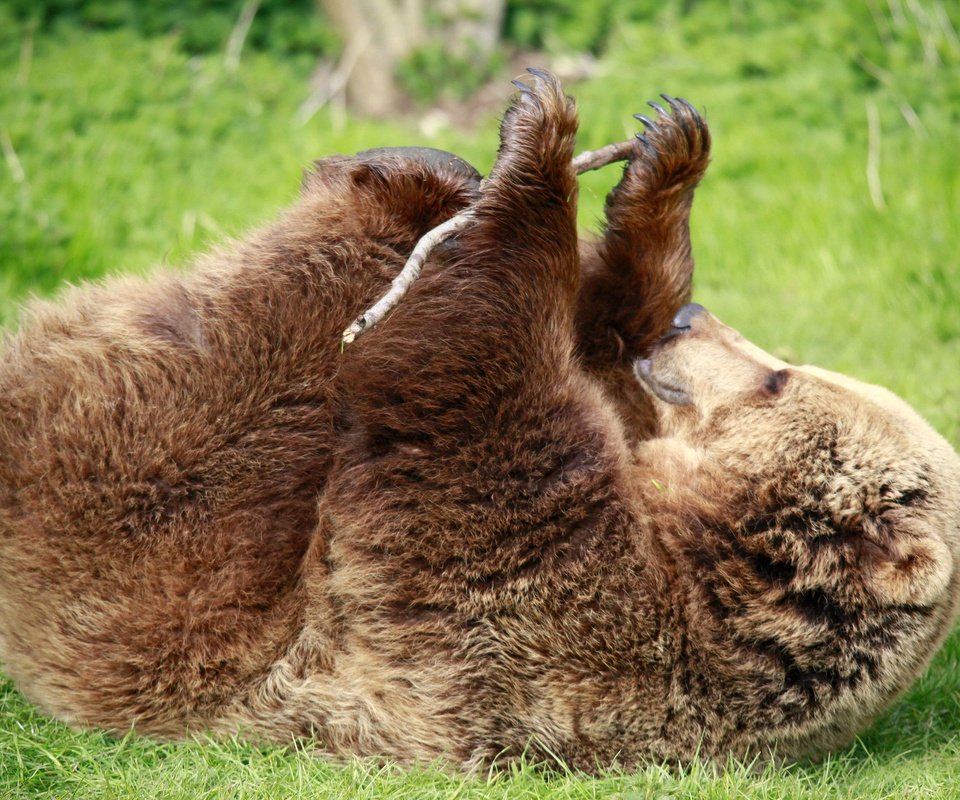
(496, 319)
(641, 272)
(636, 278)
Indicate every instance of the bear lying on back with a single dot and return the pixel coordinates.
(512, 518)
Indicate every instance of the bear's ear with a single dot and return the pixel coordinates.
(910, 565)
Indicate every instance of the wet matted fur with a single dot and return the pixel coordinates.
(489, 527)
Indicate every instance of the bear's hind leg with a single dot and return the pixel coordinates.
(646, 263)
(469, 389)
(466, 455)
(498, 316)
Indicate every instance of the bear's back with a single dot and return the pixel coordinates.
(163, 445)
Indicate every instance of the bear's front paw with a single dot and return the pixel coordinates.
(537, 138)
(670, 155)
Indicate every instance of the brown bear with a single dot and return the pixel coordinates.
(524, 514)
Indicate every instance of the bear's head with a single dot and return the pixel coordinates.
(818, 517)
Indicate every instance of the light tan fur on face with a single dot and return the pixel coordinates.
(876, 489)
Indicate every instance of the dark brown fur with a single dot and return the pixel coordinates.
(457, 539)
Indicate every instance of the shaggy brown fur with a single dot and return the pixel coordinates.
(458, 539)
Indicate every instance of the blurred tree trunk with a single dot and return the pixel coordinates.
(469, 26)
(379, 34)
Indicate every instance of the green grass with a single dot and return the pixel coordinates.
(133, 153)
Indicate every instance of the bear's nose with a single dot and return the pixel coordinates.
(684, 318)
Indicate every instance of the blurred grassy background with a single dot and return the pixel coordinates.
(126, 143)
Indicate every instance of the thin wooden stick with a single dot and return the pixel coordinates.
(594, 159)
(589, 160)
(410, 272)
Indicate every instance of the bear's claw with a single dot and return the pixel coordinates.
(646, 143)
(658, 108)
(542, 80)
(526, 92)
(673, 102)
(647, 122)
(542, 74)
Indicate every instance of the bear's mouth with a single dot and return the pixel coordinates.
(668, 392)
